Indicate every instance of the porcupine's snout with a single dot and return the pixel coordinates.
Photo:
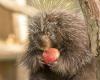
(44, 41)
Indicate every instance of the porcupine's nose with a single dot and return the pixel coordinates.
(44, 41)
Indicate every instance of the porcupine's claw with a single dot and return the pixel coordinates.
(41, 60)
(51, 64)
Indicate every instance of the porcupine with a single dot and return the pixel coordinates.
(66, 32)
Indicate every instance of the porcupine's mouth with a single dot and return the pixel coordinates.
(42, 50)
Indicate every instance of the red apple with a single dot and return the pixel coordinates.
(51, 55)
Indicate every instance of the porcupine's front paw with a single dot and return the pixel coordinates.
(52, 64)
(40, 59)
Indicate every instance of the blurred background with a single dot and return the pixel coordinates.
(13, 40)
(13, 37)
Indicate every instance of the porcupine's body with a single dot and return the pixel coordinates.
(67, 33)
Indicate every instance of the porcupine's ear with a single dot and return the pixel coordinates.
(52, 5)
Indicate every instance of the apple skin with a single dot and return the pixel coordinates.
(51, 55)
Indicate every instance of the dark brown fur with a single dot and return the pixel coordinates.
(68, 33)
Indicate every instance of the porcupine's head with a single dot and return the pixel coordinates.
(45, 27)
(45, 30)
(54, 29)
